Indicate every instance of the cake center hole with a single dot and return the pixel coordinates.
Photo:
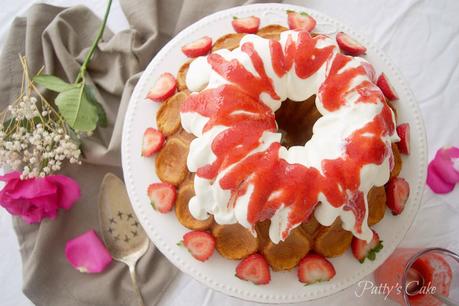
(295, 121)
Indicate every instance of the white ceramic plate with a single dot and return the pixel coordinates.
(218, 273)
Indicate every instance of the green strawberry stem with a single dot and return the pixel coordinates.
(89, 55)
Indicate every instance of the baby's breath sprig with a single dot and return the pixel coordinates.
(34, 137)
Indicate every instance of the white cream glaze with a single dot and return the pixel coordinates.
(327, 142)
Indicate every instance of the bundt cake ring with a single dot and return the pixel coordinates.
(244, 174)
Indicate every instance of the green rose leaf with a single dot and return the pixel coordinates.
(53, 83)
(100, 110)
(80, 113)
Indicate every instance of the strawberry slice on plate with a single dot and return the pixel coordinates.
(403, 131)
(300, 21)
(362, 250)
(163, 88)
(397, 192)
(349, 45)
(200, 244)
(386, 87)
(198, 47)
(162, 196)
(247, 25)
(255, 269)
(153, 141)
(314, 268)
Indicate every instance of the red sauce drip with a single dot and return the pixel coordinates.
(308, 58)
(236, 73)
(269, 174)
(274, 181)
(290, 51)
(277, 57)
(219, 104)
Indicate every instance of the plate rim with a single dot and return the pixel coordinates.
(169, 253)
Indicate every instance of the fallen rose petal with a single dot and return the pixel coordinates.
(87, 253)
(442, 173)
(436, 183)
(68, 190)
(445, 164)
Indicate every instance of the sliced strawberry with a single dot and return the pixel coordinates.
(300, 21)
(153, 141)
(162, 196)
(349, 45)
(163, 88)
(314, 268)
(361, 249)
(397, 192)
(248, 25)
(198, 47)
(403, 130)
(200, 244)
(386, 88)
(255, 269)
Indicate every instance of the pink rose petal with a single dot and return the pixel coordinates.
(10, 176)
(68, 190)
(32, 188)
(442, 175)
(436, 183)
(87, 253)
(11, 179)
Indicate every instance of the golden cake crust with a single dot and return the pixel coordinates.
(233, 241)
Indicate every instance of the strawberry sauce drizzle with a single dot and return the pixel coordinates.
(308, 58)
(276, 182)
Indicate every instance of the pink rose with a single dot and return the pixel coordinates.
(37, 198)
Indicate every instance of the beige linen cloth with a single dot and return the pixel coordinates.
(59, 38)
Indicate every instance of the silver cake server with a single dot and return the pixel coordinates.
(122, 233)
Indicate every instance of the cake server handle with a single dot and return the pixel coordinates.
(133, 275)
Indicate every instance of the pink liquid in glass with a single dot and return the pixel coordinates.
(435, 270)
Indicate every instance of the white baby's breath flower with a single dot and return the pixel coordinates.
(36, 140)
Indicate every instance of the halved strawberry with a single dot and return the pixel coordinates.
(153, 141)
(386, 88)
(403, 130)
(162, 196)
(248, 25)
(397, 192)
(300, 21)
(314, 268)
(255, 269)
(200, 244)
(198, 47)
(349, 45)
(361, 249)
(163, 88)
